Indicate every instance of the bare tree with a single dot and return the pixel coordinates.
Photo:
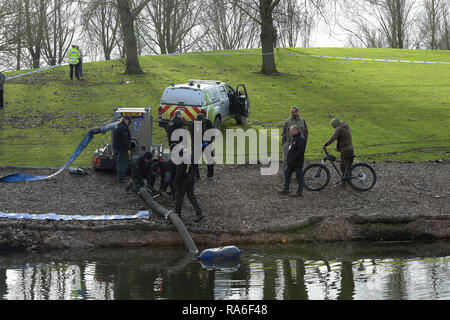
(58, 31)
(227, 27)
(128, 12)
(430, 23)
(167, 26)
(434, 24)
(395, 21)
(381, 22)
(35, 13)
(101, 24)
(444, 42)
(295, 22)
(262, 12)
(10, 31)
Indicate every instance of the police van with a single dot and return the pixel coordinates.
(218, 101)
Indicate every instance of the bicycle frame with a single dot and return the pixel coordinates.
(332, 160)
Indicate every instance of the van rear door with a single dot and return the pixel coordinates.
(188, 100)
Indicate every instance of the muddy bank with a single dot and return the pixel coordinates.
(409, 202)
(64, 235)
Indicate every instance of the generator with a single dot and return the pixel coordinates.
(141, 129)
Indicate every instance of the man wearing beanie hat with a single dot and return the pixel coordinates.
(141, 169)
(343, 135)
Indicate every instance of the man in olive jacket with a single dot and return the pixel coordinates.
(343, 135)
(121, 144)
(295, 161)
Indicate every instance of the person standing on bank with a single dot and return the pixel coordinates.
(343, 135)
(74, 62)
(81, 62)
(295, 161)
(121, 144)
(176, 123)
(286, 136)
(206, 124)
(185, 184)
(2, 89)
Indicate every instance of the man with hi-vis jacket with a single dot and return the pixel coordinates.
(74, 61)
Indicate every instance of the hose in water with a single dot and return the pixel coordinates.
(176, 221)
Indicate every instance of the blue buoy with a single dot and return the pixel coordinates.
(220, 254)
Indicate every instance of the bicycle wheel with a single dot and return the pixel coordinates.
(362, 177)
(316, 177)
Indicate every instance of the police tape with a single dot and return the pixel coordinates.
(367, 59)
(56, 217)
(34, 71)
(304, 55)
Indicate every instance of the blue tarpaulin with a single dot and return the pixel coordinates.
(53, 216)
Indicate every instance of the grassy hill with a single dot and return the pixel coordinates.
(398, 111)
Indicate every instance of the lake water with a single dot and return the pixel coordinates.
(381, 271)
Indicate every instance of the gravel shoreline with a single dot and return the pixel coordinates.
(238, 198)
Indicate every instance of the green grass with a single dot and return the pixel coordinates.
(397, 111)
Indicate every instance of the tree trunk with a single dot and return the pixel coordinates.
(268, 37)
(129, 37)
(107, 55)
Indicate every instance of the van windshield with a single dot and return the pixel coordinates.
(182, 96)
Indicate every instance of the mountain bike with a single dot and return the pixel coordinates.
(361, 176)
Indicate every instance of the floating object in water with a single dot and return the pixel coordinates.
(220, 254)
(224, 265)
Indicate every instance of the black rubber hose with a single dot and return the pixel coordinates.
(176, 221)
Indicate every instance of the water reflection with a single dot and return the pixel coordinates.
(296, 272)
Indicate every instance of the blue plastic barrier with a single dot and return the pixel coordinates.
(53, 216)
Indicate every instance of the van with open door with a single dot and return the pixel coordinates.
(218, 101)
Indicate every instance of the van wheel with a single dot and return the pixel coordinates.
(218, 123)
(240, 120)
